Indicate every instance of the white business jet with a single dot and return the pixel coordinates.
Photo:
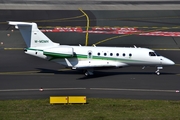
(87, 58)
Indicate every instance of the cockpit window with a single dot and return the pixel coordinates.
(152, 54)
(158, 54)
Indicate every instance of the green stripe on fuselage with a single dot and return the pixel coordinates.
(81, 56)
(33, 49)
(57, 55)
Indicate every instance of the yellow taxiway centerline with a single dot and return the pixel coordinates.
(31, 72)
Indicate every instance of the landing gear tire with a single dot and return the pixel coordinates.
(158, 73)
(88, 73)
(158, 69)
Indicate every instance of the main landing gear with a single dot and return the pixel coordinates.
(158, 69)
(88, 72)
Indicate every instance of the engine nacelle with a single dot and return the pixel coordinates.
(60, 52)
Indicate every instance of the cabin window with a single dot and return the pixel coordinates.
(117, 54)
(111, 54)
(130, 55)
(105, 54)
(124, 54)
(98, 54)
(89, 55)
(152, 54)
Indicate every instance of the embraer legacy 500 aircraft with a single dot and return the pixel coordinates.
(87, 58)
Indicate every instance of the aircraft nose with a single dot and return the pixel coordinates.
(171, 62)
(167, 61)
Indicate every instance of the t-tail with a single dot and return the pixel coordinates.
(32, 36)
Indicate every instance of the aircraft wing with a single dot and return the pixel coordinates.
(99, 64)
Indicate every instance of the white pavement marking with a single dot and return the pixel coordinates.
(89, 7)
(37, 89)
(135, 90)
(102, 89)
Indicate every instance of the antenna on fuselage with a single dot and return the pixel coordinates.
(135, 46)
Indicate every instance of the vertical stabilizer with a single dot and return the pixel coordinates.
(32, 36)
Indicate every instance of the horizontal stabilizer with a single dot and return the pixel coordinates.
(19, 23)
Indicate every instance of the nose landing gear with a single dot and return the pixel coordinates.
(158, 69)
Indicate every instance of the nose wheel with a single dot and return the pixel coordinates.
(158, 70)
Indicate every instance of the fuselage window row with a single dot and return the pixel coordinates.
(117, 54)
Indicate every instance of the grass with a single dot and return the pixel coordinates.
(96, 109)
